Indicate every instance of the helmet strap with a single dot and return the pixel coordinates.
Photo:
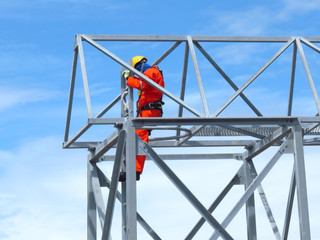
(142, 66)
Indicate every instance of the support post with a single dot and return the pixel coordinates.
(131, 200)
(300, 174)
(91, 207)
(250, 204)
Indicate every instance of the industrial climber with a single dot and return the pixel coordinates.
(149, 103)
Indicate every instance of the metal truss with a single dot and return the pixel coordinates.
(287, 134)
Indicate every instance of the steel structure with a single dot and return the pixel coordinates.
(288, 134)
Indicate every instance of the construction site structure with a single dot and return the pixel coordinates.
(194, 128)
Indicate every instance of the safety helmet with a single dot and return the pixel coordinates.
(137, 59)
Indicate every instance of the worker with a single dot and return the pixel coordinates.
(149, 103)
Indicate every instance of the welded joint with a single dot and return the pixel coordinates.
(284, 149)
(75, 45)
(238, 157)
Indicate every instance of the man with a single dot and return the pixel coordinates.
(149, 103)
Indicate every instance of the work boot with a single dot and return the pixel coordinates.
(122, 177)
(138, 175)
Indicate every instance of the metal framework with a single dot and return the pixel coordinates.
(255, 134)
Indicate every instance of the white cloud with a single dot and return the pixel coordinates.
(257, 18)
(297, 7)
(12, 97)
(43, 190)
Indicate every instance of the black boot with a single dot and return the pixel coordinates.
(138, 176)
(122, 177)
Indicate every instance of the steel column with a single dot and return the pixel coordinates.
(84, 77)
(186, 192)
(293, 71)
(91, 208)
(307, 70)
(301, 183)
(250, 204)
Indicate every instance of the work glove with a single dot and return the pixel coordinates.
(125, 74)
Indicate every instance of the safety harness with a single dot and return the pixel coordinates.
(156, 105)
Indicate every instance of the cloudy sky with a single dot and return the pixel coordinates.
(43, 187)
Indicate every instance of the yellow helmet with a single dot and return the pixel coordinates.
(137, 59)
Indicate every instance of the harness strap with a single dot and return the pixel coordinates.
(156, 105)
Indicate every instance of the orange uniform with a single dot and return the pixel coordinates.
(148, 94)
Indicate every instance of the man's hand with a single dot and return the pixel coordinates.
(125, 74)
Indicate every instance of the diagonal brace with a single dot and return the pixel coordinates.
(252, 187)
(105, 182)
(113, 186)
(234, 181)
(185, 191)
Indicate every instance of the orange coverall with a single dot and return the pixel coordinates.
(148, 94)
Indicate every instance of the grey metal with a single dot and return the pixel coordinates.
(250, 204)
(240, 90)
(198, 76)
(103, 147)
(186, 192)
(251, 79)
(183, 80)
(234, 181)
(105, 182)
(287, 219)
(91, 208)
(114, 185)
(173, 47)
(309, 44)
(254, 135)
(225, 76)
(131, 200)
(84, 77)
(307, 70)
(301, 183)
(206, 156)
(255, 183)
(211, 38)
(143, 77)
(71, 91)
(97, 193)
(254, 174)
(293, 71)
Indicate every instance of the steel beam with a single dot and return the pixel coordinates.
(114, 185)
(105, 182)
(234, 181)
(97, 192)
(131, 200)
(103, 147)
(287, 219)
(255, 183)
(250, 204)
(300, 173)
(240, 90)
(71, 91)
(163, 56)
(274, 227)
(198, 76)
(293, 71)
(84, 77)
(183, 81)
(186, 192)
(142, 76)
(225, 76)
(91, 207)
(211, 38)
(308, 73)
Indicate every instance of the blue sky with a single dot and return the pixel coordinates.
(42, 186)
